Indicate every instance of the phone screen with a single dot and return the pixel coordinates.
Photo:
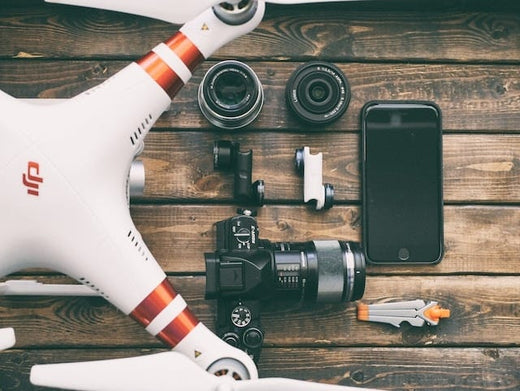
(402, 183)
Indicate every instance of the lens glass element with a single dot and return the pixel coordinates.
(230, 89)
(319, 91)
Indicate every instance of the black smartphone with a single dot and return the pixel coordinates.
(402, 182)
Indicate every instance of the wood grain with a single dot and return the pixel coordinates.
(478, 239)
(485, 311)
(179, 166)
(396, 369)
(350, 32)
(483, 98)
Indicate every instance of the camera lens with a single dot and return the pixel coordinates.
(247, 267)
(318, 93)
(230, 95)
(324, 271)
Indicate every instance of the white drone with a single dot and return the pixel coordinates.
(64, 169)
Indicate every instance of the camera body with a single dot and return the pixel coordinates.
(246, 270)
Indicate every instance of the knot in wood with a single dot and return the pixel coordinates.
(283, 225)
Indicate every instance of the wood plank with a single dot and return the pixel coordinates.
(477, 168)
(398, 369)
(387, 368)
(485, 311)
(350, 32)
(478, 239)
(482, 98)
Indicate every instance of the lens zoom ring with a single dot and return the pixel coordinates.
(331, 271)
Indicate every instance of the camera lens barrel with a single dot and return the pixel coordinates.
(318, 93)
(230, 95)
(324, 271)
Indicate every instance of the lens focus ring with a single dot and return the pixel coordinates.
(341, 271)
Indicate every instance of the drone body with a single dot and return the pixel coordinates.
(65, 168)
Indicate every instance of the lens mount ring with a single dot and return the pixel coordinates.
(318, 93)
(349, 264)
(230, 95)
(356, 269)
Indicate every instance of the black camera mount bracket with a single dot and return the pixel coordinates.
(227, 156)
(310, 167)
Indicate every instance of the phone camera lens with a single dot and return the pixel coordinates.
(318, 93)
(230, 95)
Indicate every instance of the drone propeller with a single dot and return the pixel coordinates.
(156, 372)
(304, 1)
(172, 11)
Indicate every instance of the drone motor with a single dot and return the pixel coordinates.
(236, 12)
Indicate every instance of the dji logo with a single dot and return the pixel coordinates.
(32, 179)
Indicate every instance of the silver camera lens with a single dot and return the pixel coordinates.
(230, 95)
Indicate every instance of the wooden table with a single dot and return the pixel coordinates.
(463, 55)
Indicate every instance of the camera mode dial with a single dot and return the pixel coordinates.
(241, 316)
(244, 232)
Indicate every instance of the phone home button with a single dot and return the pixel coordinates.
(403, 254)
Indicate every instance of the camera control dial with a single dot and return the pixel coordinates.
(244, 231)
(243, 235)
(241, 316)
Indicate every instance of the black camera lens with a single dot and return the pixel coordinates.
(324, 271)
(230, 95)
(318, 93)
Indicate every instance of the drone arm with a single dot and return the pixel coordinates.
(165, 314)
(135, 97)
(209, 33)
(171, 63)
